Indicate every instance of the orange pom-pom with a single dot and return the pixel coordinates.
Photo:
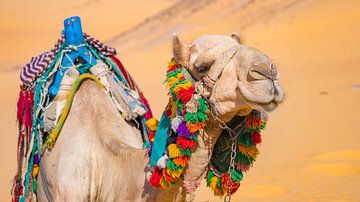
(167, 177)
(181, 161)
(193, 128)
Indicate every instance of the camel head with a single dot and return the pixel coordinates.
(237, 82)
(243, 78)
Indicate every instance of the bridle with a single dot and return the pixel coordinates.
(205, 88)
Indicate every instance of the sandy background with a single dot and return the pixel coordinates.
(311, 148)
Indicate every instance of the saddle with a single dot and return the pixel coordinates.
(48, 81)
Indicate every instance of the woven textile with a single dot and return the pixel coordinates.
(32, 70)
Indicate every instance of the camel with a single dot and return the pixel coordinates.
(99, 159)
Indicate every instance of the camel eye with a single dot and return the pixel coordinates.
(202, 69)
(204, 66)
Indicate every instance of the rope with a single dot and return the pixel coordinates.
(50, 141)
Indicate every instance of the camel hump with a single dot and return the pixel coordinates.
(89, 87)
(90, 95)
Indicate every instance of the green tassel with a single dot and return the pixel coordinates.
(180, 106)
(194, 137)
(175, 84)
(219, 184)
(186, 152)
(202, 117)
(243, 159)
(173, 73)
(210, 175)
(202, 105)
(34, 185)
(195, 117)
(237, 176)
(191, 117)
(170, 164)
(245, 140)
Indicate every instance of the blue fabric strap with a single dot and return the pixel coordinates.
(161, 136)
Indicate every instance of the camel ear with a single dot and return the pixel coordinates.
(181, 51)
(236, 37)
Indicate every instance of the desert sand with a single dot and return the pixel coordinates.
(310, 149)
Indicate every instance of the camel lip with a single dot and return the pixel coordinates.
(268, 107)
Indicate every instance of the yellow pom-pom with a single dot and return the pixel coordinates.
(213, 182)
(185, 86)
(171, 81)
(173, 151)
(251, 152)
(171, 63)
(174, 173)
(174, 108)
(179, 75)
(180, 161)
(163, 183)
(35, 170)
(152, 124)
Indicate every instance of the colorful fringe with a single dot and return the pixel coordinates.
(246, 154)
(187, 110)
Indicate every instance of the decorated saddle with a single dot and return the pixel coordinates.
(49, 82)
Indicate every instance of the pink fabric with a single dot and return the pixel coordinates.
(133, 85)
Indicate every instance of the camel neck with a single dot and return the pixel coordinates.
(196, 167)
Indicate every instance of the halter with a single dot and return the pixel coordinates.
(206, 87)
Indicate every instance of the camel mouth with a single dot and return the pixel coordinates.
(268, 107)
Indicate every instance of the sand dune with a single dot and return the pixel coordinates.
(310, 150)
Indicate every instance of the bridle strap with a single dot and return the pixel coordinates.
(219, 66)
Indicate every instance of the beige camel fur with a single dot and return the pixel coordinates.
(98, 155)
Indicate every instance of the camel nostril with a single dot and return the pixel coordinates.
(259, 73)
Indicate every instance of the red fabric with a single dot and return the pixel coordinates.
(133, 86)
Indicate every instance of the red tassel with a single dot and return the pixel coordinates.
(172, 68)
(256, 137)
(20, 105)
(25, 107)
(226, 180)
(184, 143)
(155, 177)
(185, 95)
(151, 136)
